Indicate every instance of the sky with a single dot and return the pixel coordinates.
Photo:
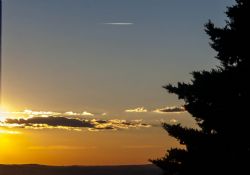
(82, 80)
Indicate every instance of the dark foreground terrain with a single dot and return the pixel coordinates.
(79, 170)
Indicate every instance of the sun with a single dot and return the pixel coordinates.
(3, 116)
(4, 112)
(3, 130)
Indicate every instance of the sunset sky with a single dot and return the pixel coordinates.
(82, 79)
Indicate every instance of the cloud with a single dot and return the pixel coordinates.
(72, 123)
(30, 113)
(67, 120)
(173, 120)
(139, 109)
(71, 113)
(50, 121)
(84, 113)
(119, 23)
(39, 113)
(115, 124)
(172, 109)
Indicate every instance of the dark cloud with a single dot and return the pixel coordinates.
(173, 109)
(74, 123)
(51, 121)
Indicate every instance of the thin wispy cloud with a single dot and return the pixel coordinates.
(139, 109)
(119, 23)
(172, 109)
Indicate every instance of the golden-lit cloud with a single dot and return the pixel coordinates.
(30, 113)
(39, 113)
(173, 120)
(139, 109)
(71, 113)
(115, 124)
(172, 109)
(84, 113)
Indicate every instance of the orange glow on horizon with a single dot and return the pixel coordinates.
(57, 146)
(62, 147)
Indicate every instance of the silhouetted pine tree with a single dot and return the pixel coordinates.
(219, 101)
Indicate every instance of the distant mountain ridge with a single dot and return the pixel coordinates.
(35, 169)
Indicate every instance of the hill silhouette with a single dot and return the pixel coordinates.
(34, 169)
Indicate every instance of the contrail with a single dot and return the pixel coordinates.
(119, 23)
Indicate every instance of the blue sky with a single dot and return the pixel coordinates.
(63, 55)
